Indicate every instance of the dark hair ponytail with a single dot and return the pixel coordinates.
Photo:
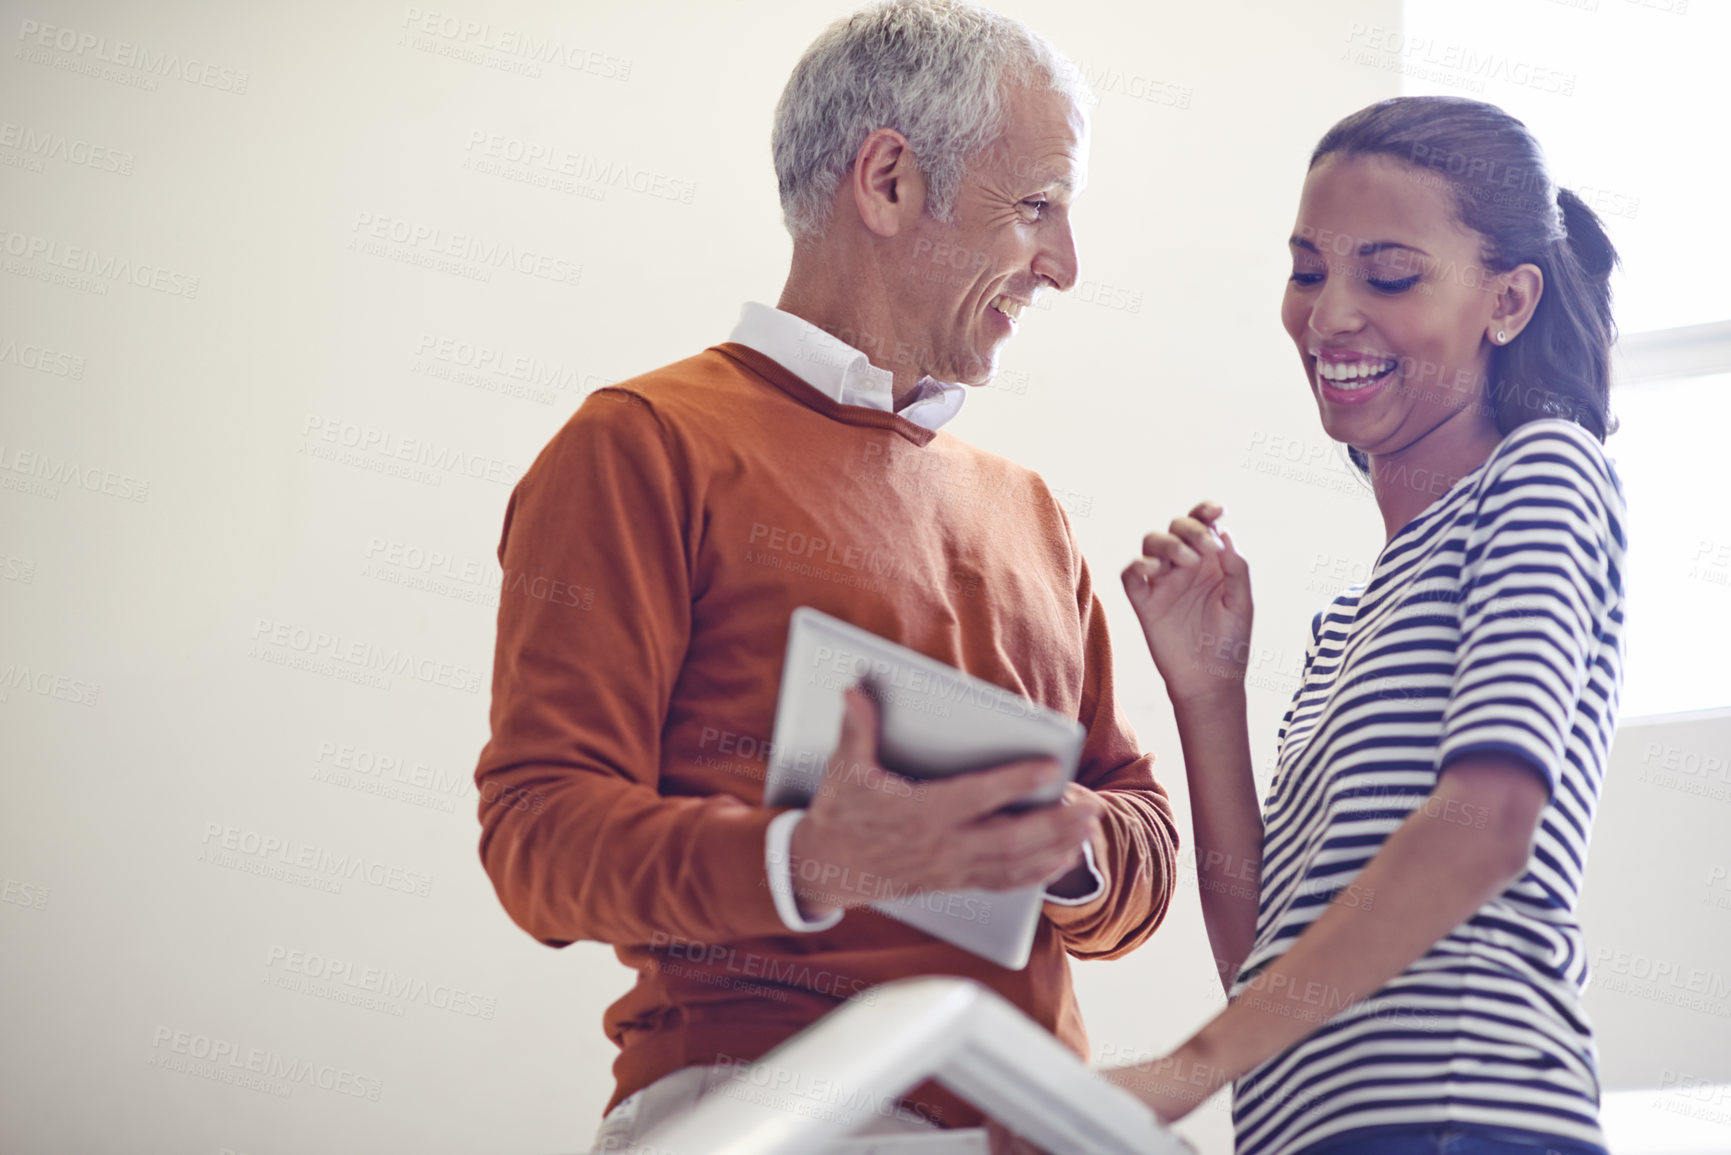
(1560, 364)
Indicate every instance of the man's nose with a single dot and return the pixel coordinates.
(1056, 260)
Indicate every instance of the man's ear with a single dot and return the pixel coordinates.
(888, 190)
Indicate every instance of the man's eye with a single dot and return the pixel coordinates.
(1306, 278)
(1035, 208)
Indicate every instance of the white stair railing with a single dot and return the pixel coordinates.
(806, 1096)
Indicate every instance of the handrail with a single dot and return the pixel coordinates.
(811, 1092)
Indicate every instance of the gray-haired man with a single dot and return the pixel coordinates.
(928, 153)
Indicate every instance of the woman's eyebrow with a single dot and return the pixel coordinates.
(1369, 248)
(1374, 247)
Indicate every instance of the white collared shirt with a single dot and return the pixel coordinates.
(840, 371)
(846, 375)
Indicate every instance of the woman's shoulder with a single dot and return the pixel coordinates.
(1557, 465)
(1553, 445)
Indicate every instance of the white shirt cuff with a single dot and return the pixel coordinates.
(1099, 881)
(778, 868)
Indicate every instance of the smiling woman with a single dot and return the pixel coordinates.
(1409, 974)
(1470, 179)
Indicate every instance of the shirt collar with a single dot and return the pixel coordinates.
(838, 370)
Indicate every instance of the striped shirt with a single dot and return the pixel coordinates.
(1491, 623)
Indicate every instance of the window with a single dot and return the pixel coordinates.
(1621, 94)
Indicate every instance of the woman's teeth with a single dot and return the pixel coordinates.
(1350, 375)
(1008, 307)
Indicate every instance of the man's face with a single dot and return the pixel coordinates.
(963, 284)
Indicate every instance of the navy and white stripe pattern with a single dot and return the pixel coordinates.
(1492, 622)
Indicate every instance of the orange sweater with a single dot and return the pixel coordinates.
(652, 555)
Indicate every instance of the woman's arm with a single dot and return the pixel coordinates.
(1191, 592)
(1462, 847)
(1541, 600)
(1225, 822)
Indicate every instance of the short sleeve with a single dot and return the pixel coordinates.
(1540, 581)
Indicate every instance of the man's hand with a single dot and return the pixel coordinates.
(872, 834)
(1081, 880)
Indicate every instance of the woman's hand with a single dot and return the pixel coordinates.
(1136, 1080)
(1191, 591)
(1171, 1087)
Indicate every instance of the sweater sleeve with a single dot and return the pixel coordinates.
(594, 619)
(1137, 850)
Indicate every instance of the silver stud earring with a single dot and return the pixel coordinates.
(1501, 336)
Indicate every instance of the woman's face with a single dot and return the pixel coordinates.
(1388, 303)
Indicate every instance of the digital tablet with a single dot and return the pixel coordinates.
(935, 721)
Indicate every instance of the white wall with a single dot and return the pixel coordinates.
(170, 534)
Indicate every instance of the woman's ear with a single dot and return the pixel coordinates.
(1518, 292)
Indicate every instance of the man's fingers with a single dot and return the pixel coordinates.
(1065, 866)
(1043, 834)
(970, 796)
(858, 744)
(1036, 838)
(1083, 799)
(1014, 875)
(1036, 870)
